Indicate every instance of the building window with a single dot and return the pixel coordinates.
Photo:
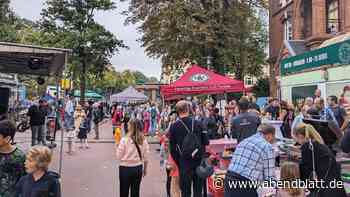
(288, 29)
(248, 81)
(332, 16)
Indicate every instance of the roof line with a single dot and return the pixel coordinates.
(35, 47)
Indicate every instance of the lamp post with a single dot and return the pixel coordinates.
(209, 61)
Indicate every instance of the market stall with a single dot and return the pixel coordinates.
(129, 95)
(198, 80)
(42, 62)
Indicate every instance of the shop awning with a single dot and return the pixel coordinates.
(89, 94)
(129, 95)
(198, 80)
(336, 52)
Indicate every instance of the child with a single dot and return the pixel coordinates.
(117, 135)
(290, 172)
(83, 130)
(39, 181)
(164, 155)
(174, 177)
(12, 155)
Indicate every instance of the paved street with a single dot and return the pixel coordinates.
(93, 172)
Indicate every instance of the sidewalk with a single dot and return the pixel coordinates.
(94, 172)
(106, 135)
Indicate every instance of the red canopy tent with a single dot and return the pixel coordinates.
(198, 80)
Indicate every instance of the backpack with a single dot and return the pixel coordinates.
(153, 113)
(191, 145)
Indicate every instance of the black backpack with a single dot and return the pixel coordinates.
(191, 145)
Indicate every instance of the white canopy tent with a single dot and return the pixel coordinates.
(129, 95)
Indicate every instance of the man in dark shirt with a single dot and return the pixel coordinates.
(273, 109)
(187, 166)
(246, 123)
(213, 123)
(37, 115)
(339, 113)
(253, 105)
(88, 111)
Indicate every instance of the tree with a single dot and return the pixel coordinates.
(153, 80)
(71, 24)
(229, 31)
(262, 88)
(140, 78)
(10, 25)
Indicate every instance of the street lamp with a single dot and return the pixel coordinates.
(209, 61)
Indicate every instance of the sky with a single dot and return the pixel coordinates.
(133, 59)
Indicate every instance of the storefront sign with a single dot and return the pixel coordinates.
(335, 54)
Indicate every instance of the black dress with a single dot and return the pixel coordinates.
(83, 129)
(326, 167)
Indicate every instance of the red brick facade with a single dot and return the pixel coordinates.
(309, 21)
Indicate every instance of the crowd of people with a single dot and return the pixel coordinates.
(187, 127)
(185, 130)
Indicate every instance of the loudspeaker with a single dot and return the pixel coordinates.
(4, 100)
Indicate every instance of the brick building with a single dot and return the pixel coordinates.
(298, 26)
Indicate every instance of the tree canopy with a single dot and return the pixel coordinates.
(71, 24)
(230, 31)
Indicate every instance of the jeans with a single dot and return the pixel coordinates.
(189, 178)
(38, 134)
(153, 127)
(130, 179)
(237, 192)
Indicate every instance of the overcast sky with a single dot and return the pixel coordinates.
(134, 58)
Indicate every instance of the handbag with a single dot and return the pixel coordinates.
(204, 170)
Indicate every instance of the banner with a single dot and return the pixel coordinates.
(336, 54)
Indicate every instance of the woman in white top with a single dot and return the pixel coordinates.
(132, 154)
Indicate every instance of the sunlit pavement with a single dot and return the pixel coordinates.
(93, 172)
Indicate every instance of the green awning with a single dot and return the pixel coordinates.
(88, 94)
(335, 54)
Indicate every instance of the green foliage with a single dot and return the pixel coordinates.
(228, 30)
(113, 81)
(70, 24)
(10, 25)
(262, 88)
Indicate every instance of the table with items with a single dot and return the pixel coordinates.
(221, 154)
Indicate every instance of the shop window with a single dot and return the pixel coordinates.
(332, 16)
(288, 29)
(307, 13)
(302, 92)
